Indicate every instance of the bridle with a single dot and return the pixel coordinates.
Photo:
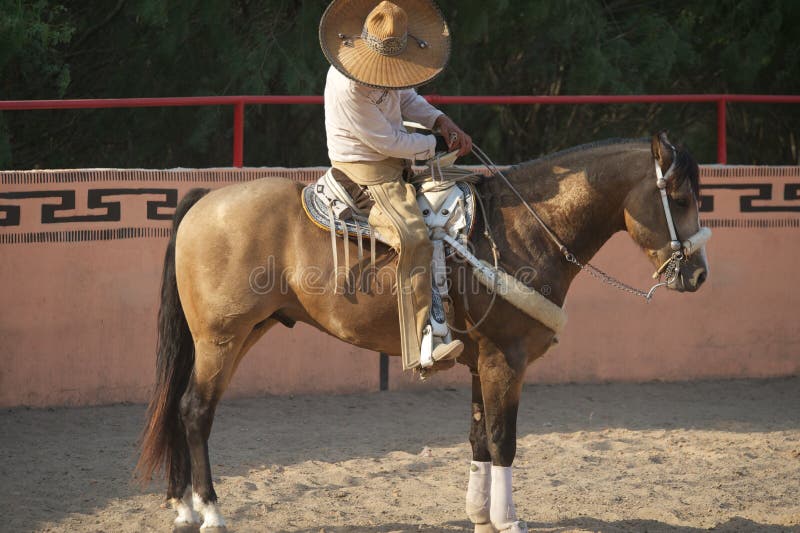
(680, 250)
(670, 269)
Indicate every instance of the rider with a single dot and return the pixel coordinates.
(379, 54)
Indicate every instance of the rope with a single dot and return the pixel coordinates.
(487, 233)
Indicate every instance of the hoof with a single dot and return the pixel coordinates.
(485, 528)
(517, 527)
(191, 520)
(213, 524)
(187, 517)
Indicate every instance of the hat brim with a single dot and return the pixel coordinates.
(413, 67)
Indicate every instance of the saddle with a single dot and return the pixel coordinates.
(446, 197)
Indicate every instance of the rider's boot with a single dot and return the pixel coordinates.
(447, 350)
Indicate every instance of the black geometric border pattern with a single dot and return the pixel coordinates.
(180, 175)
(112, 183)
(96, 199)
(83, 235)
(162, 199)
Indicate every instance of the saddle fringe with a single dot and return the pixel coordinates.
(334, 228)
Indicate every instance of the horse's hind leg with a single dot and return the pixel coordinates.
(216, 358)
(177, 482)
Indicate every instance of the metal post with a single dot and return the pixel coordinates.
(238, 134)
(722, 140)
(384, 372)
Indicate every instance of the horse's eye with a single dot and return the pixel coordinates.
(681, 201)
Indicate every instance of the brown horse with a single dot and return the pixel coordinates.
(244, 258)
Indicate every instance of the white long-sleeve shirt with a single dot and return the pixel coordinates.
(366, 124)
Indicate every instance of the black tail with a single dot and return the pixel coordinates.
(163, 443)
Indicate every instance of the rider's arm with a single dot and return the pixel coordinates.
(370, 126)
(415, 108)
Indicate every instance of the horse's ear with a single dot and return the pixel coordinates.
(662, 149)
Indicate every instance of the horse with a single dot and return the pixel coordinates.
(212, 313)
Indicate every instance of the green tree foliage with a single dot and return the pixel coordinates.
(31, 39)
(141, 48)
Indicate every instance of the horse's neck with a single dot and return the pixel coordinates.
(580, 197)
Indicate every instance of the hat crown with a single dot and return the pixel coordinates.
(387, 20)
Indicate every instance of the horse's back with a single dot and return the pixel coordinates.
(238, 210)
(249, 199)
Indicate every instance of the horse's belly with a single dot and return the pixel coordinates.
(368, 320)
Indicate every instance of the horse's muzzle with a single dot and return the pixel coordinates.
(695, 271)
(691, 280)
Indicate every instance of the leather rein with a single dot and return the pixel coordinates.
(671, 267)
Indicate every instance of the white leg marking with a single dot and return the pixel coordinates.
(503, 514)
(479, 492)
(186, 515)
(211, 516)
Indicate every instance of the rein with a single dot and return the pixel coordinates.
(670, 268)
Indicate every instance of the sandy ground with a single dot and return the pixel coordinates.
(653, 457)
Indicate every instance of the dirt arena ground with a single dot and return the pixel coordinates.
(655, 457)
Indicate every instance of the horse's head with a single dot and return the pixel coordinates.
(674, 176)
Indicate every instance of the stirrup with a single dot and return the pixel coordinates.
(442, 350)
(426, 348)
(442, 357)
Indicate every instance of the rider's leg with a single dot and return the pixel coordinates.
(396, 205)
(396, 213)
(397, 217)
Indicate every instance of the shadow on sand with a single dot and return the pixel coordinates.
(94, 448)
(583, 524)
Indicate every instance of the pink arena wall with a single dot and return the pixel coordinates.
(81, 254)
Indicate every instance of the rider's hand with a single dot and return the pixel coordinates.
(455, 136)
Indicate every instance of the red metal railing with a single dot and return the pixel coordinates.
(239, 103)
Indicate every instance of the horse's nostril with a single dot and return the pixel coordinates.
(701, 278)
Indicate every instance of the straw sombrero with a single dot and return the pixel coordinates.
(389, 45)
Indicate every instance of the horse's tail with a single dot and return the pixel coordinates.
(163, 443)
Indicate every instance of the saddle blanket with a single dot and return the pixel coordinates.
(451, 209)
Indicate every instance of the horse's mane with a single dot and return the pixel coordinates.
(686, 168)
(685, 164)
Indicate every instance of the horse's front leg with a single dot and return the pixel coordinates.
(501, 377)
(480, 469)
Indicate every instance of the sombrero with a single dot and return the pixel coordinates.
(388, 45)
